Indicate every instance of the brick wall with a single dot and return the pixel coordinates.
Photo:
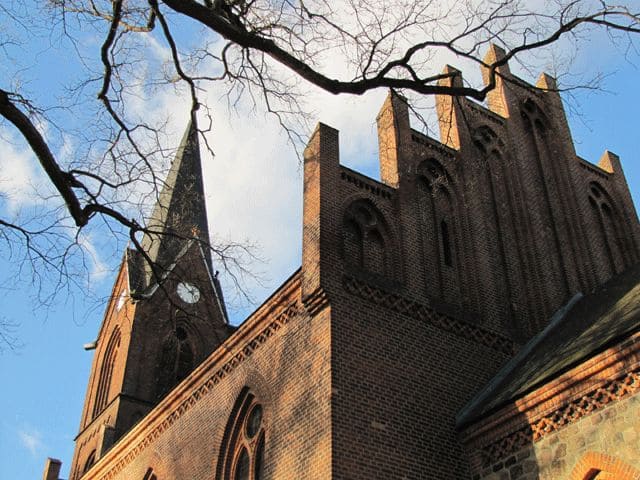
(413, 291)
(511, 190)
(398, 381)
(145, 327)
(282, 355)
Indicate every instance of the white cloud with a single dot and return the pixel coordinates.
(98, 268)
(27, 198)
(31, 439)
(254, 193)
(20, 179)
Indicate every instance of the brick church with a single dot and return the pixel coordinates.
(473, 315)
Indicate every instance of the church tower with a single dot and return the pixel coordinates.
(165, 316)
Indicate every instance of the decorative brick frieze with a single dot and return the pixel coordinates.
(571, 412)
(365, 183)
(427, 314)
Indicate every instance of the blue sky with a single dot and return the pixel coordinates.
(254, 191)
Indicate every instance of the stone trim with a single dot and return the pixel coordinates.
(173, 406)
(594, 462)
(429, 315)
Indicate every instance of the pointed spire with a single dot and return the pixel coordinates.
(180, 212)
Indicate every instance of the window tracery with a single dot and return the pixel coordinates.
(366, 239)
(435, 176)
(177, 358)
(487, 141)
(534, 117)
(439, 184)
(242, 449)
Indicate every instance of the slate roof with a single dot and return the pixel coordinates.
(586, 326)
(180, 211)
(181, 204)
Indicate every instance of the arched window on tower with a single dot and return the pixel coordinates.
(184, 363)
(91, 459)
(177, 360)
(367, 240)
(106, 372)
(242, 450)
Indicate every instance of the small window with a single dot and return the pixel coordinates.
(91, 459)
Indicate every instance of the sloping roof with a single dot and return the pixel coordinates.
(585, 327)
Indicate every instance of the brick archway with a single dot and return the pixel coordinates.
(599, 466)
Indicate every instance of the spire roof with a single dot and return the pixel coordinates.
(180, 211)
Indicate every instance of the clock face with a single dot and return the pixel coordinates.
(188, 292)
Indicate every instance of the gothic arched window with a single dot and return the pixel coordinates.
(177, 359)
(242, 450)
(91, 459)
(106, 372)
(441, 205)
(610, 237)
(366, 239)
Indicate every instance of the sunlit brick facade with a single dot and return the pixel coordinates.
(420, 300)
